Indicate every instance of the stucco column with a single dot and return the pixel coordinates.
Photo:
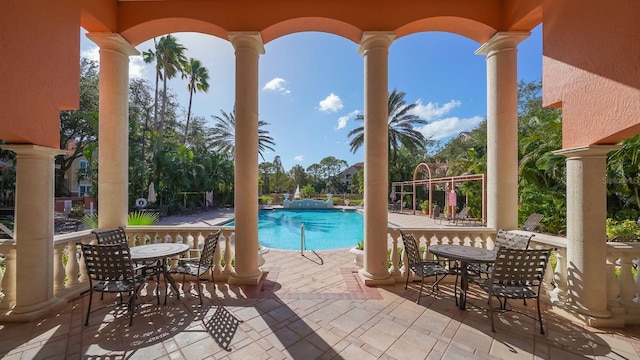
(248, 47)
(113, 141)
(586, 229)
(33, 233)
(375, 49)
(502, 128)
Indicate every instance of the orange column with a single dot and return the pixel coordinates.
(375, 49)
(248, 47)
(113, 150)
(502, 128)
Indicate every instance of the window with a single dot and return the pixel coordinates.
(83, 189)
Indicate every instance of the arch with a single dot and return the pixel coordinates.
(468, 28)
(321, 24)
(430, 181)
(150, 29)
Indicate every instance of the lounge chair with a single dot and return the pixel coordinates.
(532, 222)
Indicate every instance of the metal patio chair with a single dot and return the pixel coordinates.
(200, 266)
(110, 269)
(421, 267)
(516, 274)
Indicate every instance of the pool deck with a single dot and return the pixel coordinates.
(309, 307)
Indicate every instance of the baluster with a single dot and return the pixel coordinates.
(58, 269)
(71, 269)
(613, 286)
(560, 275)
(393, 270)
(627, 284)
(228, 269)
(547, 279)
(9, 281)
(217, 258)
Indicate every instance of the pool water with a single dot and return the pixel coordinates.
(323, 229)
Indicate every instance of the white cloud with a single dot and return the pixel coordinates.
(432, 111)
(136, 64)
(299, 158)
(331, 103)
(445, 128)
(277, 85)
(342, 120)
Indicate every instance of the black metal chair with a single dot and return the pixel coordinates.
(110, 269)
(516, 274)
(504, 239)
(199, 267)
(148, 269)
(421, 267)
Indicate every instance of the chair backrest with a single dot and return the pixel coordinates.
(113, 236)
(532, 222)
(411, 248)
(520, 267)
(210, 243)
(111, 262)
(463, 213)
(510, 240)
(435, 212)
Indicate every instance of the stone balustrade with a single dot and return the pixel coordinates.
(70, 279)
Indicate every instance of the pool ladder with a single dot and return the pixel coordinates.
(303, 247)
(302, 244)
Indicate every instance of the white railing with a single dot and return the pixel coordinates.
(623, 259)
(69, 273)
(70, 278)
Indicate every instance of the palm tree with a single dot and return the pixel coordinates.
(198, 77)
(170, 59)
(223, 134)
(401, 127)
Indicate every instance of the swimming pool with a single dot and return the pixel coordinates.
(323, 229)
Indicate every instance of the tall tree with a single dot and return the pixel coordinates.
(278, 176)
(298, 174)
(198, 77)
(266, 169)
(78, 128)
(401, 127)
(170, 59)
(223, 135)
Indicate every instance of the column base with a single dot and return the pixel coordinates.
(32, 312)
(251, 280)
(373, 280)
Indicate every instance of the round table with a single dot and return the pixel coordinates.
(465, 255)
(160, 252)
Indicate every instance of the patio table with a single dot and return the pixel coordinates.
(464, 255)
(160, 252)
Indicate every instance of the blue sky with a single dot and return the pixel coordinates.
(311, 86)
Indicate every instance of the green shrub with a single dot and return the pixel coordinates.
(139, 218)
(623, 227)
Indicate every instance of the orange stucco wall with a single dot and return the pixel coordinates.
(591, 67)
(39, 68)
(591, 50)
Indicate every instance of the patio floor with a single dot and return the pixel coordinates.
(310, 307)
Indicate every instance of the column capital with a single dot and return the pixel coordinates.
(375, 38)
(33, 150)
(114, 42)
(502, 40)
(586, 151)
(251, 39)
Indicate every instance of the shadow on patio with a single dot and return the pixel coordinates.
(303, 310)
